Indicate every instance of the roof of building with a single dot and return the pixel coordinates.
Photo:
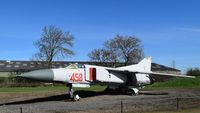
(14, 66)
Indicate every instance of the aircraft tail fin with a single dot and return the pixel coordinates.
(145, 64)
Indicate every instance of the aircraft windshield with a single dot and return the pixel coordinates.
(74, 66)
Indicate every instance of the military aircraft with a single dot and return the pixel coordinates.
(125, 79)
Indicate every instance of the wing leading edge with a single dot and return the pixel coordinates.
(144, 67)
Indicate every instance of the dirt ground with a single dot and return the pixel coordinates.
(100, 102)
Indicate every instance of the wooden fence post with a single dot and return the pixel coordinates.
(20, 109)
(121, 106)
(177, 103)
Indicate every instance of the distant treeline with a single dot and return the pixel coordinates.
(193, 72)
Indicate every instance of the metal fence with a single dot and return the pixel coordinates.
(129, 105)
(157, 104)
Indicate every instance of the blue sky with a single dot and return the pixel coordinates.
(169, 29)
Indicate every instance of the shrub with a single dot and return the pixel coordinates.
(193, 72)
(17, 82)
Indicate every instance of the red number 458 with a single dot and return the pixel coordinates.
(76, 77)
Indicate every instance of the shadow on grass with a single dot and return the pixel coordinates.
(66, 98)
(153, 93)
(62, 97)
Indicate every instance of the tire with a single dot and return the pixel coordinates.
(76, 97)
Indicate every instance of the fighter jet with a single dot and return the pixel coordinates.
(127, 79)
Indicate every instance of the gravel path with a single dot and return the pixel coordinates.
(93, 102)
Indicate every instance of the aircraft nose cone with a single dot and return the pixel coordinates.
(42, 75)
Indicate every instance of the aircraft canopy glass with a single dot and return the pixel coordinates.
(75, 66)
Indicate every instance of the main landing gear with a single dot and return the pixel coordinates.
(134, 91)
(73, 96)
(131, 90)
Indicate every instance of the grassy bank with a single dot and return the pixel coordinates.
(48, 88)
(178, 83)
(175, 83)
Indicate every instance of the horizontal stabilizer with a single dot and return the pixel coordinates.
(174, 75)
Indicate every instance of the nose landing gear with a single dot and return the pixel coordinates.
(72, 95)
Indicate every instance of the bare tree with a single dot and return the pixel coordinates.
(54, 43)
(125, 49)
(102, 55)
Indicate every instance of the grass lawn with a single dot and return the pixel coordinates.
(48, 88)
(177, 83)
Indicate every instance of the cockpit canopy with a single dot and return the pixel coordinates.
(75, 66)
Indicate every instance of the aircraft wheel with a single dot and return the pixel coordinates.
(76, 97)
(134, 92)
